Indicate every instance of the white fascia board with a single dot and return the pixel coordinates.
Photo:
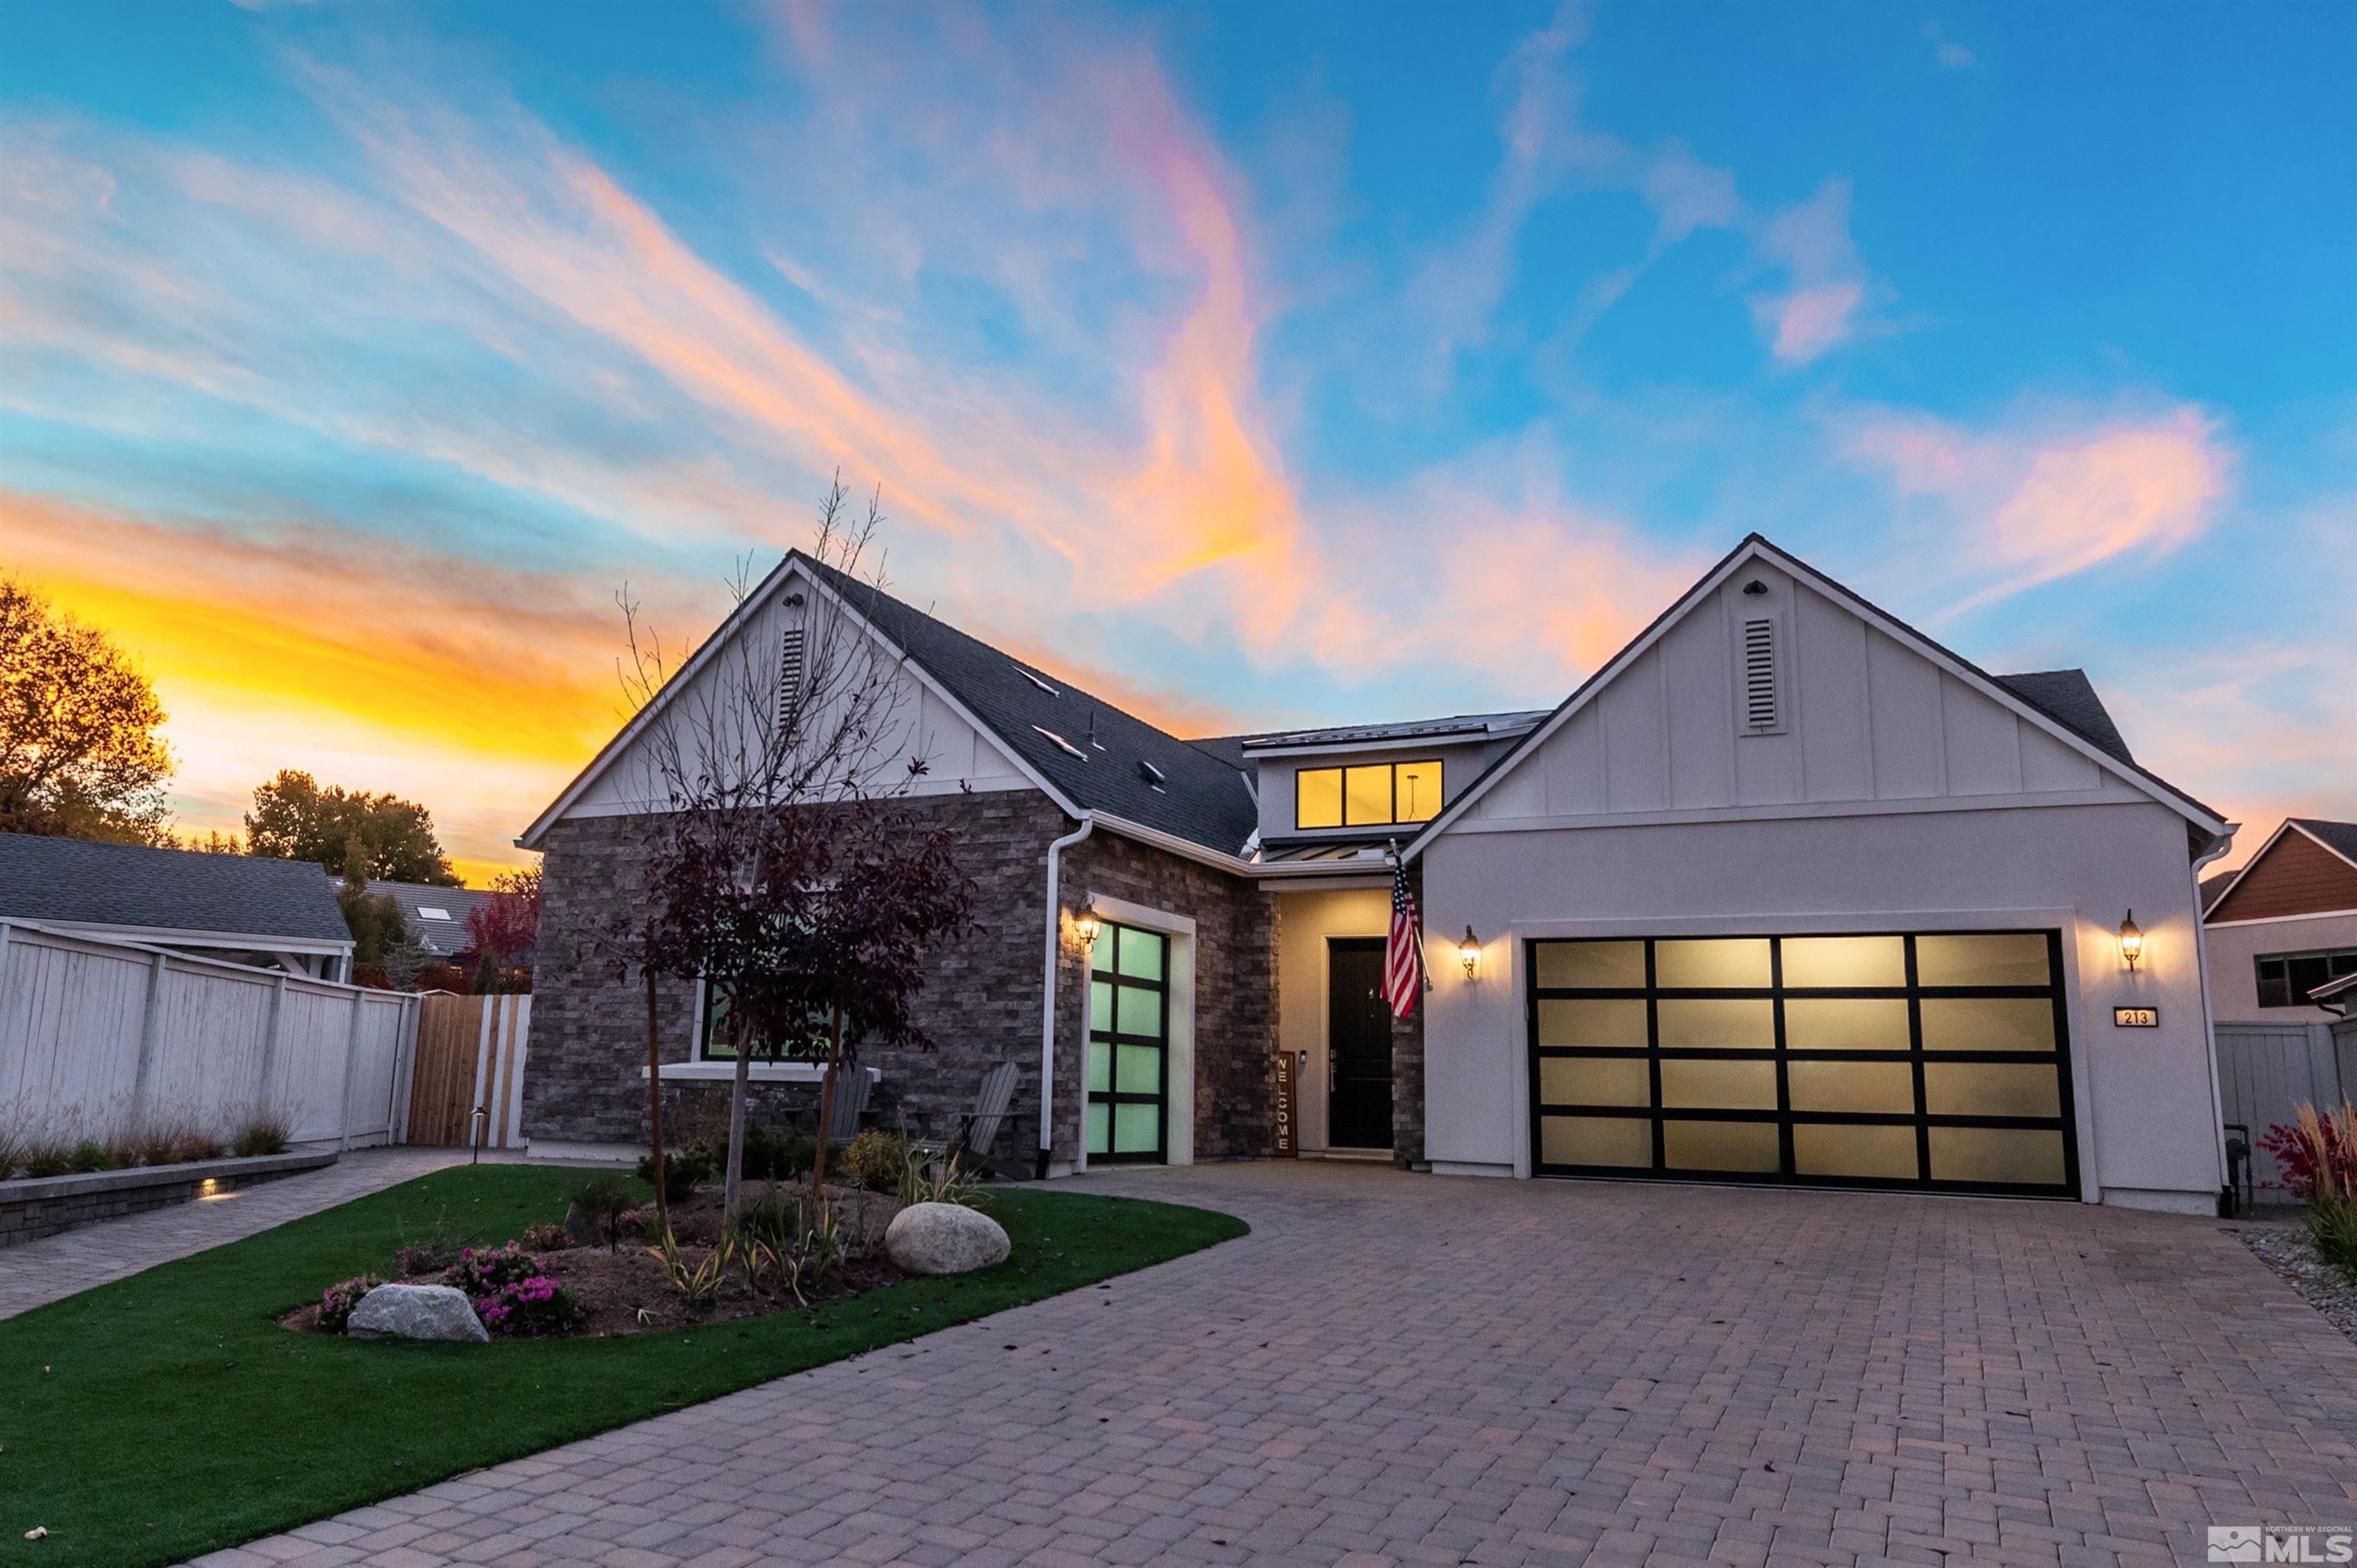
(2319, 843)
(1758, 549)
(1474, 737)
(1169, 843)
(181, 935)
(2279, 919)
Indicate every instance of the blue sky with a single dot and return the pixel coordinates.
(1260, 364)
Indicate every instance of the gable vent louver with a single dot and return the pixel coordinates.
(1760, 712)
(791, 673)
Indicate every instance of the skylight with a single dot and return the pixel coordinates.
(428, 911)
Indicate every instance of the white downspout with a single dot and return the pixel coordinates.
(1056, 849)
(2225, 841)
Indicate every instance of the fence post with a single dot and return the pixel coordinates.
(270, 1046)
(147, 1028)
(404, 1073)
(351, 1058)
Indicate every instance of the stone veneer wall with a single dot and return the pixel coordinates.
(1408, 1063)
(982, 1006)
(1235, 989)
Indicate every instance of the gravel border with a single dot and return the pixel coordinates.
(2286, 1250)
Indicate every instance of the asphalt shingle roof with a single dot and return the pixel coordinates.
(443, 938)
(166, 889)
(2339, 837)
(2069, 698)
(1087, 747)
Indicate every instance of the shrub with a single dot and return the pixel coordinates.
(336, 1303)
(483, 1272)
(698, 1284)
(938, 1180)
(424, 1258)
(642, 1221)
(878, 1160)
(772, 1155)
(534, 1307)
(262, 1133)
(683, 1171)
(89, 1155)
(2320, 1157)
(167, 1142)
(47, 1156)
(546, 1237)
(12, 1151)
(604, 1201)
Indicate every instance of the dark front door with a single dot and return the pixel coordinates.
(1358, 1047)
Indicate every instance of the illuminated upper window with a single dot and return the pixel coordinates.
(1372, 795)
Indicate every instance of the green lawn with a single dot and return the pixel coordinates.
(166, 1415)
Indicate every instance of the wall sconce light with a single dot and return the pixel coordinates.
(1469, 952)
(2131, 941)
(1086, 924)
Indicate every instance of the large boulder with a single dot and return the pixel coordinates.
(944, 1238)
(416, 1312)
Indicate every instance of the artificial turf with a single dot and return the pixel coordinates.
(167, 1414)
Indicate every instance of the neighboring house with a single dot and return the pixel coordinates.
(436, 916)
(1786, 892)
(2284, 924)
(245, 908)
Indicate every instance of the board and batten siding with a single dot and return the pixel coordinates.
(96, 1035)
(1864, 721)
(2266, 1071)
(1885, 794)
(743, 673)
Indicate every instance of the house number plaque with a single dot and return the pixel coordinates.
(2136, 1017)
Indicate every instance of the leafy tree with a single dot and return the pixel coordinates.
(375, 919)
(214, 842)
(80, 756)
(786, 872)
(502, 931)
(295, 818)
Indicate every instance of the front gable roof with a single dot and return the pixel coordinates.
(2062, 703)
(2328, 848)
(1085, 753)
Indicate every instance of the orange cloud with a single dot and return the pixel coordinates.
(377, 664)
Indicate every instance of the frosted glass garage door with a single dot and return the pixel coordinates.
(1930, 1060)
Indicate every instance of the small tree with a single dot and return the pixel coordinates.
(502, 931)
(779, 762)
(80, 756)
(374, 920)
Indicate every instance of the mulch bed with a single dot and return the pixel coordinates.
(626, 1289)
(2288, 1251)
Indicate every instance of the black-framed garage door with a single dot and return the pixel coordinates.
(1935, 1059)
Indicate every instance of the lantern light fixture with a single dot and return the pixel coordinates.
(1469, 952)
(2131, 941)
(1086, 925)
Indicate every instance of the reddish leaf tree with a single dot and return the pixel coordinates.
(787, 873)
(505, 929)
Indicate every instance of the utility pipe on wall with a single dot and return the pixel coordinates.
(1056, 848)
(2218, 846)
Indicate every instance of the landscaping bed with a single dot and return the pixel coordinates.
(624, 1286)
(35, 1207)
(168, 1415)
(2288, 1249)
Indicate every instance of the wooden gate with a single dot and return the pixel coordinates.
(471, 1055)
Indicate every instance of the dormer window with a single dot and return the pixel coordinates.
(1372, 795)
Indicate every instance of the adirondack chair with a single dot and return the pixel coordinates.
(977, 1130)
(851, 1087)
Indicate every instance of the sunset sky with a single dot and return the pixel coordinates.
(1259, 364)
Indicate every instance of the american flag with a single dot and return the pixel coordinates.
(1404, 954)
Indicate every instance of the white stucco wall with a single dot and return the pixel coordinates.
(2145, 1098)
(1305, 923)
(2234, 949)
(1461, 764)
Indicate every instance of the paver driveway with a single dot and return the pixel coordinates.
(1420, 1370)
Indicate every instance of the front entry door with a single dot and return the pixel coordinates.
(1129, 1046)
(1359, 1045)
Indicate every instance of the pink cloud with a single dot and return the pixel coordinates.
(2054, 501)
(1819, 309)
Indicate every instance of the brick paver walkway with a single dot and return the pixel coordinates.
(56, 1266)
(1395, 1368)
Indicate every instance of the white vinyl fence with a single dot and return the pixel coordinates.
(99, 1036)
(2266, 1070)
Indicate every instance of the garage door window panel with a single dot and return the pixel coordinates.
(1880, 1058)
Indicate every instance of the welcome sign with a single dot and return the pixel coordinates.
(1281, 1141)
